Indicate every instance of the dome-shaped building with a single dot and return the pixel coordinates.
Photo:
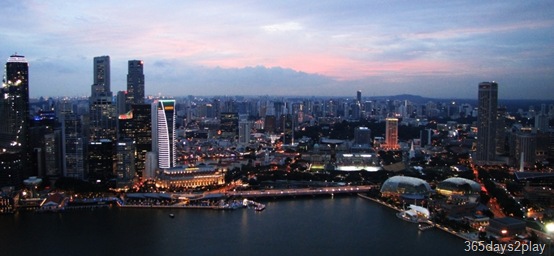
(405, 187)
(458, 186)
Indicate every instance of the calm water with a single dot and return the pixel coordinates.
(321, 226)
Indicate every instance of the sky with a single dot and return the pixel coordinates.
(439, 49)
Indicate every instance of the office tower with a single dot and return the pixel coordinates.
(73, 146)
(501, 131)
(137, 125)
(391, 134)
(121, 103)
(487, 122)
(359, 96)
(14, 128)
(101, 77)
(245, 129)
(15, 105)
(541, 122)
(362, 136)
(102, 111)
(100, 160)
(150, 166)
(425, 136)
(163, 132)
(135, 82)
(52, 153)
(125, 161)
(229, 124)
(525, 148)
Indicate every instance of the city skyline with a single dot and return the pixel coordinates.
(243, 48)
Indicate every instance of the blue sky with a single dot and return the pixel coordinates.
(428, 48)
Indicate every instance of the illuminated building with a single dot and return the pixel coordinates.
(458, 186)
(190, 177)
(245, 129)
(405, 187)
(362, 136)
(163, 132)
(391, 134)
(229, 124)
(102, 111)
(73, 146)
(101, 160)
(486, 122)
(137, 125)
(14, 128)
(125, 161)
(135, 82)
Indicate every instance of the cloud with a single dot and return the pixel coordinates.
(283, 27)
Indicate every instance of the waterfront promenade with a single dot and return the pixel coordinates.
(465, 236)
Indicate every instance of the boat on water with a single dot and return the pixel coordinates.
(171, 215)
(425, 225)
(260, 207)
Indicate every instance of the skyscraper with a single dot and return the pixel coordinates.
(137, 125)
(135, 82)
(102, 110)
(73, 146)
(391, 133)
(163, 132)
(101, 75)
(14, 127)
(486, 122)
(15, 105)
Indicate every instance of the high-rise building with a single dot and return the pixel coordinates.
(525, 148)
(73, 146)
(101, 77)
(391, 133)
(137, 125)
(15, 105)
(163, 132)
(121, 105)
(245, 129)
(125, 161)
(135, 82)
(487, 122)
(101, 160)
(229, 124)
(362, 136)
(102, 110)
(14, 128)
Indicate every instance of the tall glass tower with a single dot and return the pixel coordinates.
(391, 133)
(103, 120)
(15, 104)
(163, 132)
(14, 125)
(135, 82)
(486, 122)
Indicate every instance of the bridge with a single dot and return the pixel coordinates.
(302, 191)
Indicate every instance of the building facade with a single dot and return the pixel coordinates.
(487, 122)
(391, 134)
(135, 82)
(14, 128)
(163, 132)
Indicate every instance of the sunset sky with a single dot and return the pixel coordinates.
(428, 48)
